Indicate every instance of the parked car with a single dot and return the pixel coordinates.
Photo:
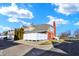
(8, 38)
(2, 36)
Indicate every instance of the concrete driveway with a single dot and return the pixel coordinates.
(69, 48)
(10, 48)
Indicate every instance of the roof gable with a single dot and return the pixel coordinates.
(38, 28)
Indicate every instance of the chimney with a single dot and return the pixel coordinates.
(54, 26)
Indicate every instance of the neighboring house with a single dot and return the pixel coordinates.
(10, 34)
(37, 32)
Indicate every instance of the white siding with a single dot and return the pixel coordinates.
(10, 37)
(35, 36)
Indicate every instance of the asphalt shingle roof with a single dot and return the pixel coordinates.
(39, 28)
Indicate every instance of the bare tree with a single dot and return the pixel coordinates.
(65, 35)
(5, 33)
(76, 33)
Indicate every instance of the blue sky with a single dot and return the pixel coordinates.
(14, 15)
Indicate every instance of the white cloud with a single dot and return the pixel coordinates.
(24, 23)
(57, 20)
(77, 23)
(14, 11)
(4, 28)
(67, 8)
(13, 19)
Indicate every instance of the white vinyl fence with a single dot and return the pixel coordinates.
(35, 36)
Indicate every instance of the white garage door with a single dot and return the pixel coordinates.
(35, 36)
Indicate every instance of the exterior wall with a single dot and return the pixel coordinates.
(35, 36)
(10, 37)
(11, 32)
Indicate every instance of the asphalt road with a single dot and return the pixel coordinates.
(6, 44)
(70, 47)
